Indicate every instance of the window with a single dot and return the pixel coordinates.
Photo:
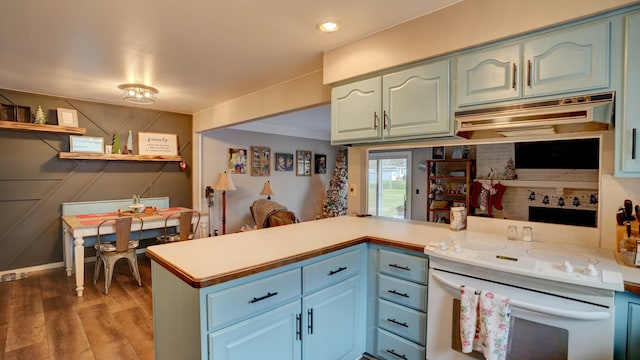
(389, 181)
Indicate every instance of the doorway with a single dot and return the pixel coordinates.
(389, 181)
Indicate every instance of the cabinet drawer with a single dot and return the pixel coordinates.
(404, 266)
(402, 321)
(402, 292)
(330, 271)
(229, 305)
(393, 347)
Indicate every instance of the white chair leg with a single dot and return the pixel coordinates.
(108, 274)
(133, 265)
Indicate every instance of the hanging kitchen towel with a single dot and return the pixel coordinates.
(468, 316)
(494, 313)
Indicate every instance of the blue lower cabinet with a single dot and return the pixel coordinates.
(266, 336)
(394, 347)
(627, 335)
(333, 322)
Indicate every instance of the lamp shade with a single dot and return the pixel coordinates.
(224, 182)
(266, 190)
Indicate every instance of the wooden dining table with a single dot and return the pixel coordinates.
(78, 227)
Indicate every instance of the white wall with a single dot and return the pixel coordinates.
(301, 194)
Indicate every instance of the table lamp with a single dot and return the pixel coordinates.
(224, 183)
(266, 190)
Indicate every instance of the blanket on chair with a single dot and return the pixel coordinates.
(262, 209)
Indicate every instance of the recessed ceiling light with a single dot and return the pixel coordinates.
(329, 26)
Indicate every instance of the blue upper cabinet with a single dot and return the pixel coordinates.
(356, 111)
(627, 152)
(489, 75)
(565, 61)
(413, 103)
(416, 101)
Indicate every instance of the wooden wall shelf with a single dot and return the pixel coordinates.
(121, 157)
(14, 125)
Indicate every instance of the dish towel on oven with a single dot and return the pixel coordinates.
(468, 316)
(494, 313)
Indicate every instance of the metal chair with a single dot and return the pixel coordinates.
(185, 227)
(109, 252)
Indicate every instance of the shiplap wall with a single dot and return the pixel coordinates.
(34, 181)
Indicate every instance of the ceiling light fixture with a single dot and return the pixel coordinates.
(138, 93)
(329, 26)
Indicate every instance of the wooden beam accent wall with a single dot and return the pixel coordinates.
(34, 180)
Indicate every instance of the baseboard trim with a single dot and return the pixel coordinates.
(21, 273)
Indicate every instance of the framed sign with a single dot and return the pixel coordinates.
(86, 144)
(303, 163)
(260, 161)
(67, 117)
(157, 144)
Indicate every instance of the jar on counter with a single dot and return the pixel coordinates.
(458, 216)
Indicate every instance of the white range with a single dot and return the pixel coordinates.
(561, 295)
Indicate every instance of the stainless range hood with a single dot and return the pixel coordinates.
(565, 115)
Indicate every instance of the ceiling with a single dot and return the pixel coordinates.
(198, 53)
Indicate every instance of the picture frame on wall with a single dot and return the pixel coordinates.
(260, 161)
(457, 152)
(284, 162)
(86, 144)
(437, 153)
(237, 161)
(320, 163)
(303, 163)
(67, 117)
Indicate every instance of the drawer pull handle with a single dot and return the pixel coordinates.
(398, 293)
(256, 299)
(400, 267)
(375, 120)
(394, 353)
(513, 76)
(398, 322)
(310, 321)
(529, 73)
(384, 119)
(633, 143)
(298, 326)
(333, 272)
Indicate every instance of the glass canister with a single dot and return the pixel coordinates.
(458, 216)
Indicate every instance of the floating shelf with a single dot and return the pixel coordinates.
(14, 125)
(116, 157)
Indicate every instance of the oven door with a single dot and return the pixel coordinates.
(543, 326)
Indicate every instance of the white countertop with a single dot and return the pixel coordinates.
(203, 262)
(207, 261)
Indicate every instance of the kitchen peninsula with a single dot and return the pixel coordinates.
(209, 294)
(191, 281)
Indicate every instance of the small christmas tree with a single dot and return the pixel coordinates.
(335, 204)
(116, 144)
(40, 118)
(510, 171)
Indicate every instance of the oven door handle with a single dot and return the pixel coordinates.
(568, 314)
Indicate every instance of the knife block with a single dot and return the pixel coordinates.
(621, 236)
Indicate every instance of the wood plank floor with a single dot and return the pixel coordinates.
(42, 318)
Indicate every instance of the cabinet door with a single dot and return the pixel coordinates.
(272, 335)
(628, 126)
(489, 75)
(416, 103)
(567, 60)
(355, 111)
(333, 322)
